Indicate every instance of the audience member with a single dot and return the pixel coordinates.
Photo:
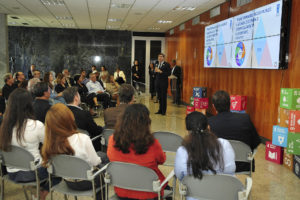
(112, 87)
(61, 84)
(97, 92)
(119, 76)
(69, 80)
(82, 89)
(24, 84)
(54, 97)
(9, 85)
(136, 74)
(32, 82)
(202, 152)
(19, 78)
(37, 74)
(2, 106)
(30, 72)
(104, 75)
(233, 126)
(63, 138)
(20, 129)
(94, 69)
(126, 97)
(152, 75)
(83, 78)
(176, 71)
(41, 104)
(132, 142)
(83, 118)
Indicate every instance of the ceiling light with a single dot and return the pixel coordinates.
(64, 18)
(97, 58)
(68, 25)
(181, 8)
(114, 20)
(53, 2)
(12, 23)
(154, 28)
(164, 22)
(120, 5)
(112, 27)
(14, 17)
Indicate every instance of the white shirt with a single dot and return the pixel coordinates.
(84, 149)
(121, 74)
(94, 87)
(34, 133)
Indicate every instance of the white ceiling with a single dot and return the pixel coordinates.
(136, 15)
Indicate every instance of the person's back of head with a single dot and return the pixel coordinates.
(221, 101)
(69, 94)
(18, 110)
(40, 89)
(133, 128)
(204, 150)
(57, 132)
(126, 92)
(7, 77)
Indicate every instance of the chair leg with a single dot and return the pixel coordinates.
(65, 196)
(75, 197)
(25, 193)
(174, 188)
(2, 189)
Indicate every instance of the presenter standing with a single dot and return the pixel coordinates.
(163, 70)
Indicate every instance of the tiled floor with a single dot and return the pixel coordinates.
(270, 181)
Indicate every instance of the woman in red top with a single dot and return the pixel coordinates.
(133, 142)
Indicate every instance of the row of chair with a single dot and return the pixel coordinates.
(128, 176)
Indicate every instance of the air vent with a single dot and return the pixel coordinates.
(120, 5)
(215, 12)
(196, 20)
(243, 2)
(182, 27)
(171, 31)
(53, 2)
(114, 20)
(181, 8)
(64, 18)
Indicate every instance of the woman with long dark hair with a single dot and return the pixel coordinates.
(133, 142)
(202, 152)
(19, 128)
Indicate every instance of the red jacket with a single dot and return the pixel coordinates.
(151, 159)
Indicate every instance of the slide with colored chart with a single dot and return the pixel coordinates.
(249, 40)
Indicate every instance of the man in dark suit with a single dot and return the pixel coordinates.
(83, 118)
(233, 126)
(162, 70)
(9, 85)
(126, 93)
(176, 71)
(41, 104)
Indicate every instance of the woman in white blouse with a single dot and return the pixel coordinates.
(202, 152)
(119, 76)
(62, 137)
(20, 129)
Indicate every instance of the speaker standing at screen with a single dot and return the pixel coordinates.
(163, 70)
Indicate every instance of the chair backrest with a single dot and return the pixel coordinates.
(214, 187)
(18, 157)
(169, 141)
(131, 176)
(242, 151)
(106, 133)
(69, 167)
(83, 131)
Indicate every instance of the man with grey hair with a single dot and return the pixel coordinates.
(9, 85)
(126, 97)
(69, 81)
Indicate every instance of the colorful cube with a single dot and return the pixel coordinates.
(192, 101)
(274, 153)
(293, 143)
(201, 103)
(294, 121)
(283, 117)
(290, 98)
(189, 109)
(297, 166)
(288, 160)
(200, 92)
(280, 135)
(238, 102)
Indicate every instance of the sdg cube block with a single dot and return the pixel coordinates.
(294, 121)
(297, 166)
(238, 102)
(283, 117)
(293, 143)
(288, 160)
(189, 109)
(200, 103)
(280, 135)
(200, 92)
(274, 153)
(290, 98)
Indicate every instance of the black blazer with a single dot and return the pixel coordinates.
(235, 126)
(41, 107)
(59, 88)
(177, 73)
(166, 71)
(85, 121)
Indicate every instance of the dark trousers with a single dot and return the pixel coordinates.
(103, 97)
(177, 93)
(162, 87)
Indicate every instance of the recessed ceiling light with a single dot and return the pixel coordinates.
(12, 23)
(112, 27)
(68, 25)
(120, 5)
(154, 28)
(53, 2)
(14, 17)
(64, 18)
(181, 8)
(25, 24)
(164, 22)
(114, 20)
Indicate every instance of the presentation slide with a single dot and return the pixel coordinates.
(249, 40)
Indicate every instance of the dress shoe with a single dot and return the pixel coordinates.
(163, 113)
(158, 112)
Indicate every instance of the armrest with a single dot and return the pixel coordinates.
(95, 138)
(172, 174)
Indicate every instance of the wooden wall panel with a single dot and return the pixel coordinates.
(261, 86)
